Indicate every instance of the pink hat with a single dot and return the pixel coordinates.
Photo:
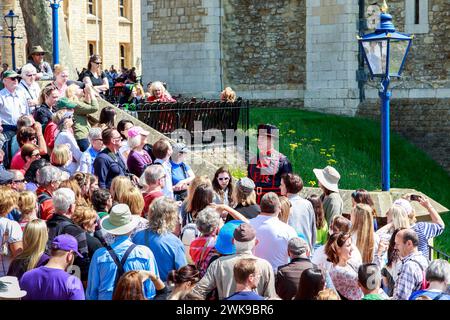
(135, 131)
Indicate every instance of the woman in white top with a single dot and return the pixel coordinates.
(319, 258)
(343, 273)
(10, 231)
(29, 86)
(363, 234)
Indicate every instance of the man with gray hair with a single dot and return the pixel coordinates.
(48, 179)
(154, 177)
(88, 156)
(61, 223)
(438, 277)
(220, 272)
(288, 275)
(272, 234)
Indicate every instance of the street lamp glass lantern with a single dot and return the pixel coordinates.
(11, 20)
(385, 50)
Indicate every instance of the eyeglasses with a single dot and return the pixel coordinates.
(19, 181)
(97, 62)
(36, 155)
(31, 75)
(222, 179)
(100, 139)
(39, 54)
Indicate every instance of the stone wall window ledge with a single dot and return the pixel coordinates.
(91, 17)
(123, 20)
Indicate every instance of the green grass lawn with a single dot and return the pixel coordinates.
(353, 147)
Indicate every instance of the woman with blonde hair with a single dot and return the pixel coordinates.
(10, 232)
(362, 232)
(134, 199)
(61, 158)
(87, 103)
(61, 73)
(159, 93)
(285, 209)
(27, 207)
(228, 95)
(397, 218)
(86, 219)
(119, 186)
(35, 239)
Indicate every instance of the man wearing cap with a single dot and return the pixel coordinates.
(272, 234)
(13, 103)
(267, 168)
(52, 281)
(246, 199)
(36, 58)
(123, 254)
(288, 276)
(220, 272)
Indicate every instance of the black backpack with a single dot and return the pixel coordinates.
(8, 153)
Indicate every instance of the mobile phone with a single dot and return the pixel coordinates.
(414, 197)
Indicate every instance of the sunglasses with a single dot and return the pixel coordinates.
(222, 179)
(19, 181)
(97, 62)
(31, 75)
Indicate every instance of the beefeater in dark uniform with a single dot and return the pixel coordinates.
(269, 165)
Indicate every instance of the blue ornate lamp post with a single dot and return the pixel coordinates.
(54, 4)
(385, 52)
(11, 20)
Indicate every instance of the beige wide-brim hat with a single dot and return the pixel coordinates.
(328, 177)
(9, 288)
(120, 221)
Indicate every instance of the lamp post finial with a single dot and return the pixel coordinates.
(384, 7)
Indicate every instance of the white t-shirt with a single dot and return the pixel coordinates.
(15, 235)
(273, 236)
(319, 258)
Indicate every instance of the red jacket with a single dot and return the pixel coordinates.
(46, 208)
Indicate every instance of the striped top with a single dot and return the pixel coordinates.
(426, 231)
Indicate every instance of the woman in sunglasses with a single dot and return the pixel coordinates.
(223, 187)
(94, 75)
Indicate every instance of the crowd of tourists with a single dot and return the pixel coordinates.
(94, 211)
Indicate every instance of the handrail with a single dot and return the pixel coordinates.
(439, 254)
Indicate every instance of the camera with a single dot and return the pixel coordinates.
(414, 197)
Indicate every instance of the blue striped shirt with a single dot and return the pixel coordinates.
(426, 231)
(102, 271)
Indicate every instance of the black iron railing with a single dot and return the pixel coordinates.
(197, 117)
(437, 254)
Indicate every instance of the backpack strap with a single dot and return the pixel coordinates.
(438, 297)
(423, 284)
(120, 264)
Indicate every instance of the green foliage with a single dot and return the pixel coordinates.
(353, 147)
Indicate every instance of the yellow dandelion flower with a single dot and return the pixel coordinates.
(312, 183)
(328, 155)
(291, 131)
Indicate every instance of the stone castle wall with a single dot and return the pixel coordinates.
(424, 122)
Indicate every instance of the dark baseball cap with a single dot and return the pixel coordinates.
(66, 242)
(244, 233)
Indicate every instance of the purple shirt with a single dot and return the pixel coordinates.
(51, 284)
(137, 162)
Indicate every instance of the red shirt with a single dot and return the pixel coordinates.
(50, 134)
(148, 199)
(45, 207)
(17, 162)
(163, 98)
